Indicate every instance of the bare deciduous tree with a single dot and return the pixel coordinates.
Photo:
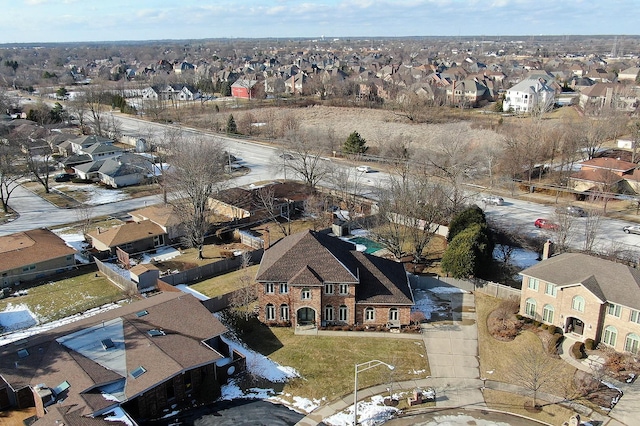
(198, 174)
(10, 171)
(306, 161)
(591, 229)
(242, 298)
(273, 208)
(532, 369)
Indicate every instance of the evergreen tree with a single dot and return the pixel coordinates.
(469, 253)
(465, 219)
(355, 144)
(232, 127)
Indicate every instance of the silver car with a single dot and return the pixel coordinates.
(632, 229)
(493, 199)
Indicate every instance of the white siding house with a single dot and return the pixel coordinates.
(528, 95)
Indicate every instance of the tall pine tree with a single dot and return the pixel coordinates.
(355, 144)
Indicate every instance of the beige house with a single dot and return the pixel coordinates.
(132, 237)
(164, 216)
(34, 254)
(587, 297)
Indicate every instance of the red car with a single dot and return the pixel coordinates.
(545, 224)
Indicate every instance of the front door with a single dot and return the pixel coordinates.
(574, 325)
(306, 316)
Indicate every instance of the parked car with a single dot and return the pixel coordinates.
(363, 169)
(632, 229)
(63, 177)
(572, 211)
(545, 224)
(286, 156)
(493, 199)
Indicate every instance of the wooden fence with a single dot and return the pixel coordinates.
(500, 291)
(210, 270)
(121, 281)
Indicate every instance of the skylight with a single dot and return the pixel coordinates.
(155, 333)
(142, 313)
(23, 353)
(138, 372)
(107, 344)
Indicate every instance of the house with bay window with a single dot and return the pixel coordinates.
(313, 278)
(587, 297)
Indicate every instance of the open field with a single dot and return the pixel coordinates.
(69, 294)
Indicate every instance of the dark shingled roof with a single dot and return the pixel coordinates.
(313, 258)
(609, 281)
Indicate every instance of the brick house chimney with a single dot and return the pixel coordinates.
(266, 240)
(547, 250)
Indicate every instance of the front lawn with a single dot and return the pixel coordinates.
(326, 363)
(67, 295)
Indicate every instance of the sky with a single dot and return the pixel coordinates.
(37, 21)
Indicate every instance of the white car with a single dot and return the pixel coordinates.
(363, 169)
(493, 199)
(632, 229)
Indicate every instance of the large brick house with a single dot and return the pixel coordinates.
(315, 278)
(33, 254)
(588, 297)
(141, 359)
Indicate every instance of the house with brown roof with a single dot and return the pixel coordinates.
(164, 216)
(142, 358)
(602, 174)
(318, 279)
(587, 297)
(132, 237)
(249, 204)
(34, 254)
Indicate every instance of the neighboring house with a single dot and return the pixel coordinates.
(587, 297)
(314, 278)
(138, 361)
(245, 89)
(528, 95)
(602, 174)
(78, 145)
(610, 95)
(182, 92)
(240, 204)
(125, 170)
(629, 75)
(34, 254)
(467, 92)
(164, 216)
(132, 237)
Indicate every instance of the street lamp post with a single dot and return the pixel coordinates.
(359, 369)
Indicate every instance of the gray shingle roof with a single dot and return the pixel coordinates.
(607, 280)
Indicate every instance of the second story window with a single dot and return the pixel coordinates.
(534, 283)
(306, 293)
(551, 290)
(613, 309)
(268, 288)
(284, 288)
(328, 288)
(344, 289)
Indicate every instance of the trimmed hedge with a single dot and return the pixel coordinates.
(577, 350)
(590, 344)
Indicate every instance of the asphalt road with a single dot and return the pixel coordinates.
(240, 412)
(264, 164)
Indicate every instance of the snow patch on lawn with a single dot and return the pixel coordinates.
(16, 317)
(370, 413)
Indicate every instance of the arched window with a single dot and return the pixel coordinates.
(270, 312)
(577, 303)
(369, 314)
(610, 335)
(284, 312)
(632, 343)
(530, 307)
(343, 313)
(393, 314)
(328, 313)
(547, 314)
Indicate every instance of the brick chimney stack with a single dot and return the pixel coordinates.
(547, 250)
